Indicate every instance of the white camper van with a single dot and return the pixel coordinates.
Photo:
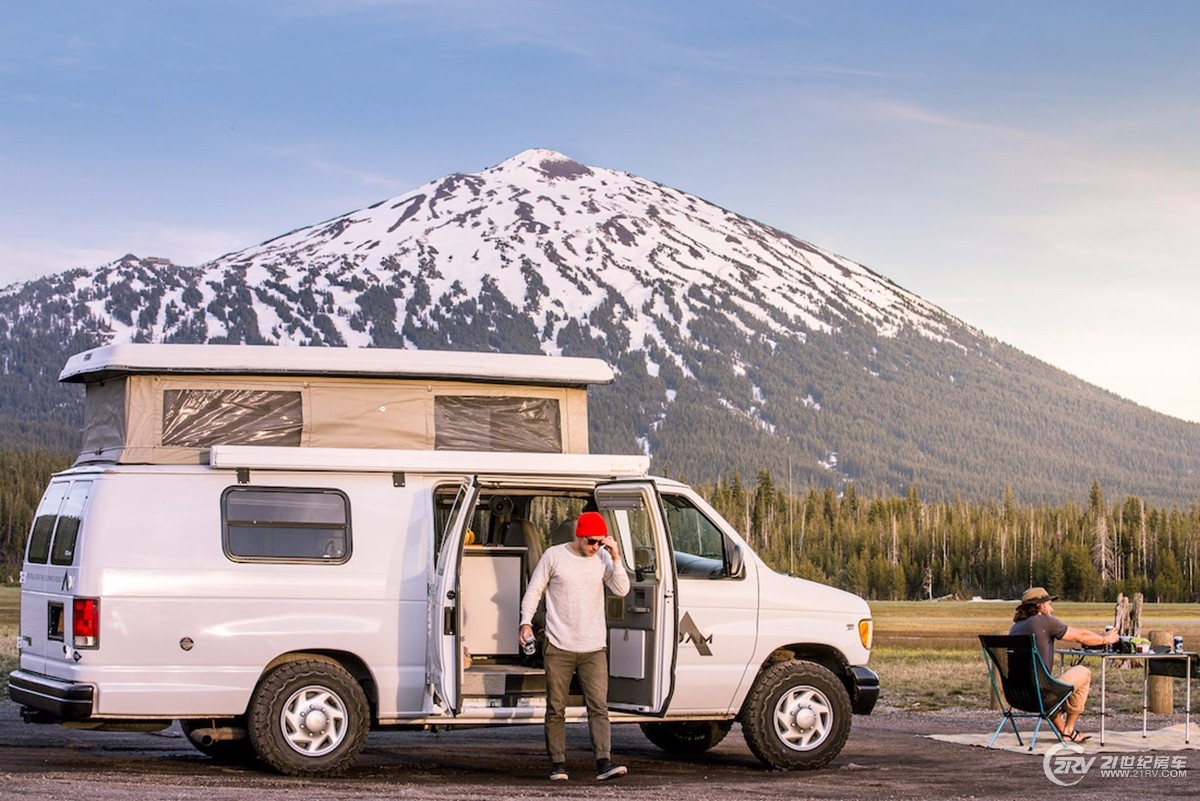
(286, 548)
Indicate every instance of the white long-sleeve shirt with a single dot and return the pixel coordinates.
(574, 588)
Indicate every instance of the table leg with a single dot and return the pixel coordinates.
(1145, 693)
(1103, 695)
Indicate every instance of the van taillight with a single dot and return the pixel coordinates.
(85, 622)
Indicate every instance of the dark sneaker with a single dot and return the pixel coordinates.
(558, 772)
(605, 769)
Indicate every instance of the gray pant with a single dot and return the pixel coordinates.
(593, 680)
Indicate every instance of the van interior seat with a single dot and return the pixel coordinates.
(564, 532)
(520, 533)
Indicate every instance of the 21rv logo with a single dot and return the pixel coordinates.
(1067, 769)
(1059, 766)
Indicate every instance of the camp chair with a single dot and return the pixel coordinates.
(1022, 683)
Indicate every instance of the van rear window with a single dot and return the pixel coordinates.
(43, 523)
(62, 551)
(286, 525)
(56, 524)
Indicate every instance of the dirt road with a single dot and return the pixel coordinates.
(887, 757)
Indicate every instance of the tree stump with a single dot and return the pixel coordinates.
(1127, 619)
(993, 702)
(1160, 690)
(1121, 615)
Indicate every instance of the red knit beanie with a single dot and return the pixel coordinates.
(591, 524)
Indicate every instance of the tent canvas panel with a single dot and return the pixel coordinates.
(176, 419)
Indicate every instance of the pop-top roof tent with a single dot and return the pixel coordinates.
(169, 404)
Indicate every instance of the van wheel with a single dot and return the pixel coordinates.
(797, 716)
(309, 718)
(687, 737)
(233, 752)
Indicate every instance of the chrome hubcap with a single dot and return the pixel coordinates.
(802, 718)
(313, 721)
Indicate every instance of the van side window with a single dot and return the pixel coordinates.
(66, 530)
(281, 524)
(43, 523)
(699, 545)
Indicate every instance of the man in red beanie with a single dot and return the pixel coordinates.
(573, 576)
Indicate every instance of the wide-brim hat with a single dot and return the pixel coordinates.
(1037, 595)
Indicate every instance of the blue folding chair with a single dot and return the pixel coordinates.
(1022, 683)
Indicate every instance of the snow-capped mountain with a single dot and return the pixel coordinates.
(738, 347)
(556, 240)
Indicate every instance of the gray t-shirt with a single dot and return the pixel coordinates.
(1045, 630)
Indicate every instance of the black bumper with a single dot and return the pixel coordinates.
(866, 689)
(64, 700)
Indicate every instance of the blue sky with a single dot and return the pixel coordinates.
(1033, 168)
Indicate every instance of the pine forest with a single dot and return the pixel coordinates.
(886, 548)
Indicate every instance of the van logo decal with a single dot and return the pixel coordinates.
(690, 632)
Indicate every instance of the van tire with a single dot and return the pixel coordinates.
(687, 736)
(295, 691)
(797, 716)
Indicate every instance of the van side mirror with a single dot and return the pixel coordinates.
(737, 566)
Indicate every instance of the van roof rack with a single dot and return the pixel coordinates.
(380, 460)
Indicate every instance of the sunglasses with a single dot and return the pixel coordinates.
(593, 541)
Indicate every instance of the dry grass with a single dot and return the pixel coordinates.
(928, 657)
(10, 598)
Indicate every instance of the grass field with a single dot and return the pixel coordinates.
(926, 654)
(10, 598)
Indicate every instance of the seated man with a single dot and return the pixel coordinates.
(1035, 615)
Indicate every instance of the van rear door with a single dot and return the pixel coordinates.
(444, 664)
(643, 626)
(49, 577)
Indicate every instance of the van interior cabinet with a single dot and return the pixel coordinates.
(490, 590)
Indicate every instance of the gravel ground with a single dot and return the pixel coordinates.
(886, 757)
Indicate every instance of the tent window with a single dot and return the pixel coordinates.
(201, 418)
(497, 423)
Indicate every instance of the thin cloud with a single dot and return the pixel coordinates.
(911, 113)
(305, 156)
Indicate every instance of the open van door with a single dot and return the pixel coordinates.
(643, 626)
(444, 663)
